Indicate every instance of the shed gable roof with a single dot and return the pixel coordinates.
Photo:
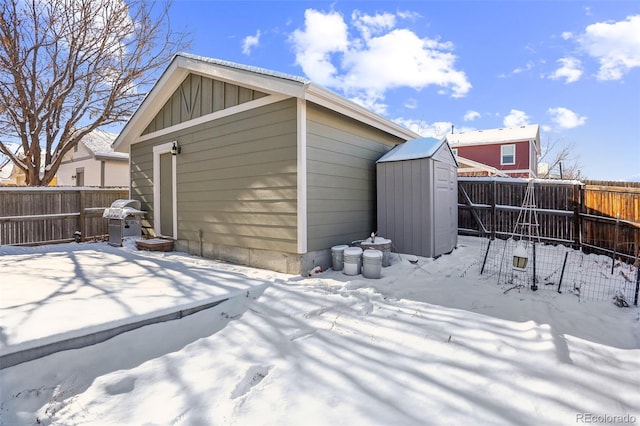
(416, 149)
(266, 81)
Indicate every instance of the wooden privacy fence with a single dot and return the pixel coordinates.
(594, 216)
(51, 215)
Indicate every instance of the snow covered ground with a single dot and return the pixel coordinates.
(428, 343)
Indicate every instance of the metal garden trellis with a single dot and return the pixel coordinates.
(525, 234)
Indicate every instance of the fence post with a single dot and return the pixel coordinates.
(615, 245)
(83, 225)
(577, 209)
(635, 299)
(493, 208)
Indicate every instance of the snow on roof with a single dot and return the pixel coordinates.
(412, 150)
(99, 143)
(249, 68)
(509, 134)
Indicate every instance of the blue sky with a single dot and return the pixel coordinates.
(572, 67)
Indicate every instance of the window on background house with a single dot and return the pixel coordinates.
(455, 151)
(507, 155)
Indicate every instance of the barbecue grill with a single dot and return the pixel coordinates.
(124, 220)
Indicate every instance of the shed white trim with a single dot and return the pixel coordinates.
(302, 175)
(246, 106)
(157, 151)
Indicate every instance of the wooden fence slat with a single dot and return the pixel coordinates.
(37, 215)
(581, 214)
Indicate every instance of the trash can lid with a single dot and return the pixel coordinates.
(339, 247)
(372, 254)
(353, 250)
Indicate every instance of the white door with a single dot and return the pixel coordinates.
(165, 209)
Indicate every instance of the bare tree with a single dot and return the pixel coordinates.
(562, 161)
(68, 67)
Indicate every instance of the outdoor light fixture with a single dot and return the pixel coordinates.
(175, 148)
(520, 258)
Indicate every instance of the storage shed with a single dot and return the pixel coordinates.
(417, 188)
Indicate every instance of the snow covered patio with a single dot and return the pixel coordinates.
(430, 343)
(60, 292)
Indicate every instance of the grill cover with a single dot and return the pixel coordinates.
(121, 209)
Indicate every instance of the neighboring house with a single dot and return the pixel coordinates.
(10, 175)
(514, 151)
(93, 162)
(269, 169)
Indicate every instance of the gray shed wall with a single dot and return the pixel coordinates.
(417, 205)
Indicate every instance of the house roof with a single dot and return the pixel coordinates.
(490, 136)
(99, 143)
(272, 82)
(467, 165)
(414, 149)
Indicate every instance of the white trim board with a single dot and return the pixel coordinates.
(157, 151)
(302, 175)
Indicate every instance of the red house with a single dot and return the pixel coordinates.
(513, 151)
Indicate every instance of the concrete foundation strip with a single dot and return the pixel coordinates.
(15, 358)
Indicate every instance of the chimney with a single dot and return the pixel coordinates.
(452, 129)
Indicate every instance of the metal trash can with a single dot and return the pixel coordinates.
(352, 260)
(372, 263)
(337, 256)
(382, 244)
(124, 220)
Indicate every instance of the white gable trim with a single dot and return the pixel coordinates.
(246, 106)
(157, 151)
(346, 107)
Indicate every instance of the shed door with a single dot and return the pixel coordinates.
(166, 195)
(164, 192)
(445, 211)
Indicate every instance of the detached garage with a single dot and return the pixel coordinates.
(417, 188)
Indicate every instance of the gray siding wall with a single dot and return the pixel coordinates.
(341, 182)
(405, 205)
(198, 96)
(418, 204)
(236, 179)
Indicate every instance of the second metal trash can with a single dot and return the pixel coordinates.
(372, 263)
(337, 256)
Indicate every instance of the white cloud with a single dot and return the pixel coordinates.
(471, 115)
(516, 118)
(323, 35)
(528, 67)
(434, 130)
(411, 103)
(566, 118)
(379, 57)
(570, 70)
(376, 24)
(616, 45)
(250, 42)
(566, 35)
